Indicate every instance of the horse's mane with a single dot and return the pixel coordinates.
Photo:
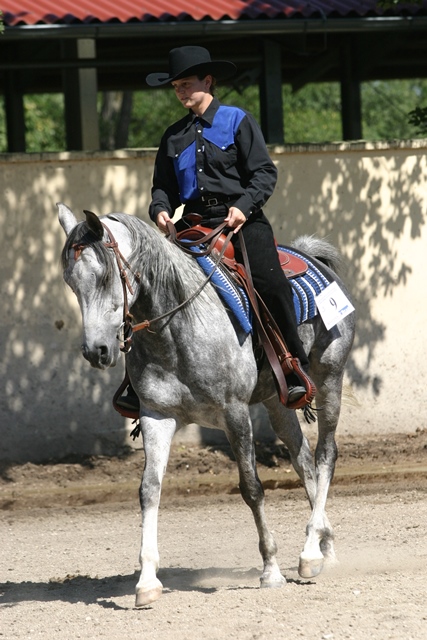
(161, 264)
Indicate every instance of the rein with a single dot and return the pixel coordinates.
(127, 327)
(185, 245)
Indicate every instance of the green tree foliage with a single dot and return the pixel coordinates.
(44, 122)
(313, 114)
(390, 110)
(418, 118)
(153, 111)
(386, 107)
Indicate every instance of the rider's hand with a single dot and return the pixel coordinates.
(161, 220)
(235, 219)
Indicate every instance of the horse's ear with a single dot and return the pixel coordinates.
(67, 219)
(94, 224)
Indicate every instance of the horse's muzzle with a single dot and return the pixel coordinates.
(99, 356)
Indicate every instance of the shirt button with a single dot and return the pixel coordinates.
(200, 170)
(199, 131)
(201, 188)
(198, 150)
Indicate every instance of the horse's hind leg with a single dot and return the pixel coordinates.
(315, 478)
(319, 545)
(287, 427)
(239, 433)
(157, 436)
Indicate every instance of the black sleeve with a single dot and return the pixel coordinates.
(256, 165)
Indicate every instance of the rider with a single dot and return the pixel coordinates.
(216, 163)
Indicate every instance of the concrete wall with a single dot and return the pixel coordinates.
(369, 200)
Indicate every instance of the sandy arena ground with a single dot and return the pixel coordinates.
(70, 536)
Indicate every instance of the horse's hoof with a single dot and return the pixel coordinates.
(310, 567)
(147, 597)
(267, 582)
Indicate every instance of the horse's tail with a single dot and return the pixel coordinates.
(320, 249)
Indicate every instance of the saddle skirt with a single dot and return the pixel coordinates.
(306, 278)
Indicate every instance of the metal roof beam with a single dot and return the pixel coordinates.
(270, 83)
(109, 64)
(232, 28)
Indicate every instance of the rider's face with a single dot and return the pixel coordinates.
(193, 93)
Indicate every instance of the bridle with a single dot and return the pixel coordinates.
(127, 329)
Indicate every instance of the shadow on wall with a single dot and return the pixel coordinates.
(52, 403)
(364, 205)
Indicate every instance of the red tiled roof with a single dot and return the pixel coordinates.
(33, 12)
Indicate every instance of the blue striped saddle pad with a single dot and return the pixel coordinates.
(305, 288)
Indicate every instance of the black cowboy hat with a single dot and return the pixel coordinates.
(191, 61)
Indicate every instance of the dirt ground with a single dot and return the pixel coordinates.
(70, 534)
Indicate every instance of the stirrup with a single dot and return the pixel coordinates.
(133, 414)
(307, 383)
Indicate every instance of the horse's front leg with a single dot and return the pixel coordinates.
(157, 435)
(239, 433)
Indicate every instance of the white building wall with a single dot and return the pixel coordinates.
(370, 200)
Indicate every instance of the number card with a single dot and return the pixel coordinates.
(333, 305)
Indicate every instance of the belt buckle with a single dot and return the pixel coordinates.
(212, 202)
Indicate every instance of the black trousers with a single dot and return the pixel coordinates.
(267, 275)
(270, 281)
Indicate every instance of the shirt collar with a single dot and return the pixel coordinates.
(210, 112)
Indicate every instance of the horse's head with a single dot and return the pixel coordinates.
(91, 271)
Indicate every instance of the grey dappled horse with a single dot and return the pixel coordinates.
(197, 366)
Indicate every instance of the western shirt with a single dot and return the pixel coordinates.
(220, 153)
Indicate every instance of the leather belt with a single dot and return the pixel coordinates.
(211, 200)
